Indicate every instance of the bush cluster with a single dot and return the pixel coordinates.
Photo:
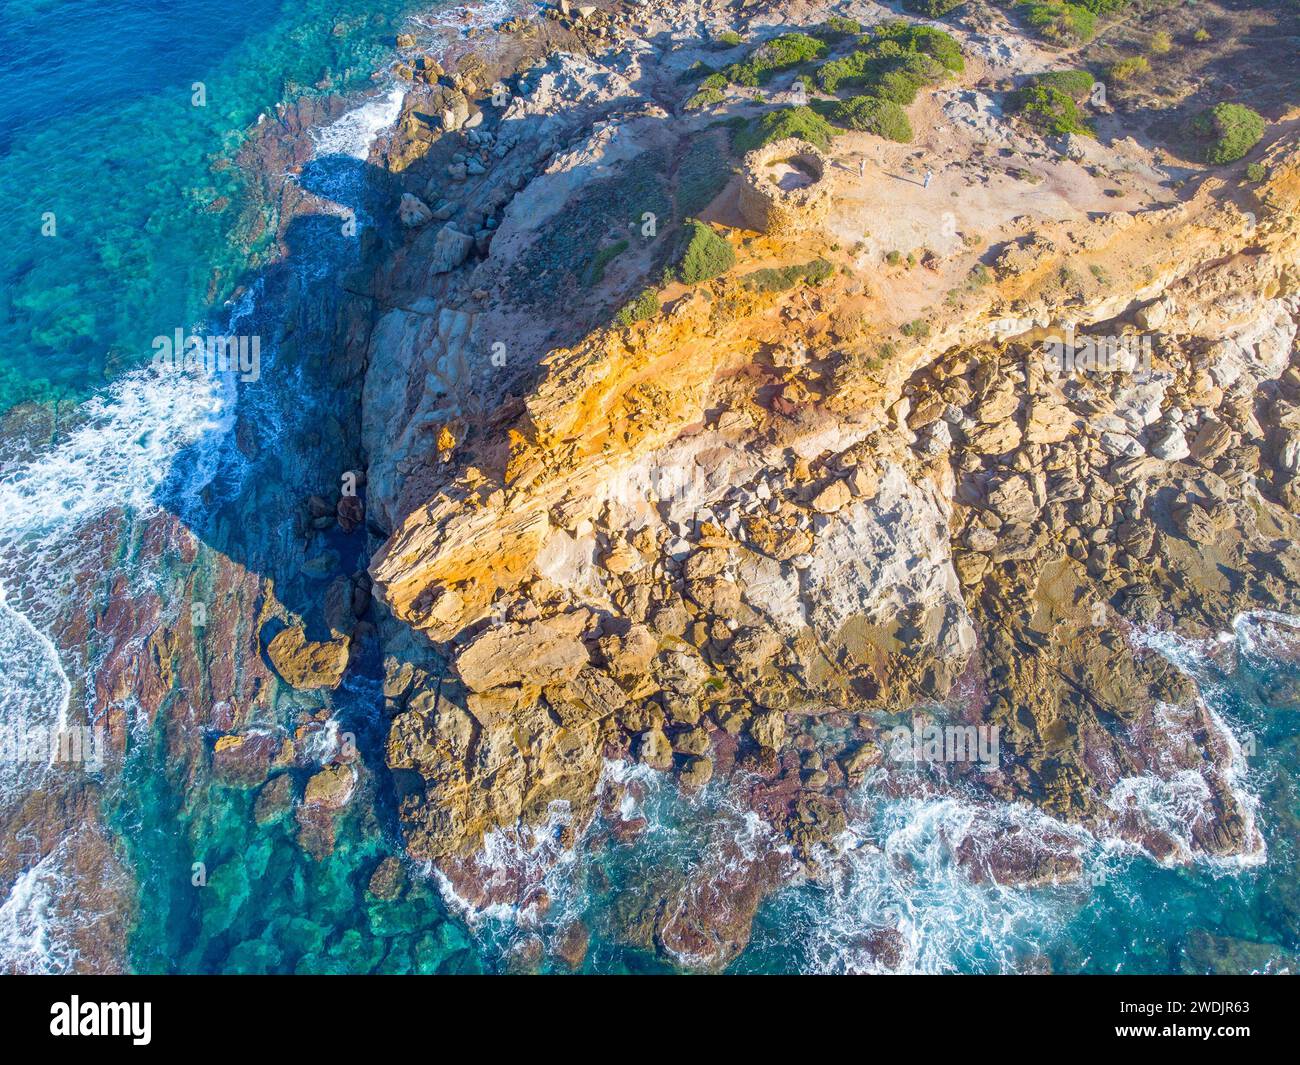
(932, 8)
(643, 307)
(802, 122)
(1050, 102)
(872, 114)
(1229, 130)
(704, 254)
(780, 53)
(779, 279)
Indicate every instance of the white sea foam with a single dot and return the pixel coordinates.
(120, 453)
(1175, 802)
(466, 17)
(900, 878)
(510, 857)
(1267, 633)
(353, 133)
(33, 928)
(117, 456)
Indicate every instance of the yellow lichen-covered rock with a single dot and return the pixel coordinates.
(306, 664)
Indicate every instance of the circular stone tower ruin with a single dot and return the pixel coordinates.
(785, 192)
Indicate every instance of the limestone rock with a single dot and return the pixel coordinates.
(413, 211)
(831, 498)
(451, 248)
(331, 788)
(539, 652)
(308, 664)
(768, 730)
(655, 750)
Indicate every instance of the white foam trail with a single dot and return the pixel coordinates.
(466, 17)
(353, 133)
(117, 456)
(31, 939)
(119, 453)
(900, 879)
(34, 691)
(1257, 633)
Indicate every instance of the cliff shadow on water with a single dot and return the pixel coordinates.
(270, 759)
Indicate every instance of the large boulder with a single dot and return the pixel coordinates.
(538, 652)
(450, 249)
(308, 664)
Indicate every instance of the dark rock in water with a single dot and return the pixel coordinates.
(1016, 857)
(388, 880)
(274, 800)
(243, 761)
(570, 944)
(701, 918)
(1207, 954)
(351, 513)
(883, 947)
(525, 954)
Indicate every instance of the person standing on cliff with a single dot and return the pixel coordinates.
(928, 175)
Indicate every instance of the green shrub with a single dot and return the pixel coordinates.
(1058, 21)
(923, 54)
(837, 27)
(780, 53)
(1201, 35)
(778, 280)
(1161, 43)
(728, 39)
(926, 39)
(1231, 131)
(1256, 172)
(705, 98)
(1049, 110)
(596, 271)
(918, 328)
(1076, 84)
(847, 69)
(932, 8)
(871, 114)
(1128, 69)
(802, 122)
(701, 72)
(903, 83)
(704, 254)
(644, 306)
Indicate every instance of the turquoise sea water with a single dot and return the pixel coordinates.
(123, 208)
(152, 231)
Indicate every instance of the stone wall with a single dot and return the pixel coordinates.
(785, 211)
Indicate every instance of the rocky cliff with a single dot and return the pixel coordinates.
(738, 537)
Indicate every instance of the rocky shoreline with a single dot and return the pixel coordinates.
(729, 543)
(589, 526)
